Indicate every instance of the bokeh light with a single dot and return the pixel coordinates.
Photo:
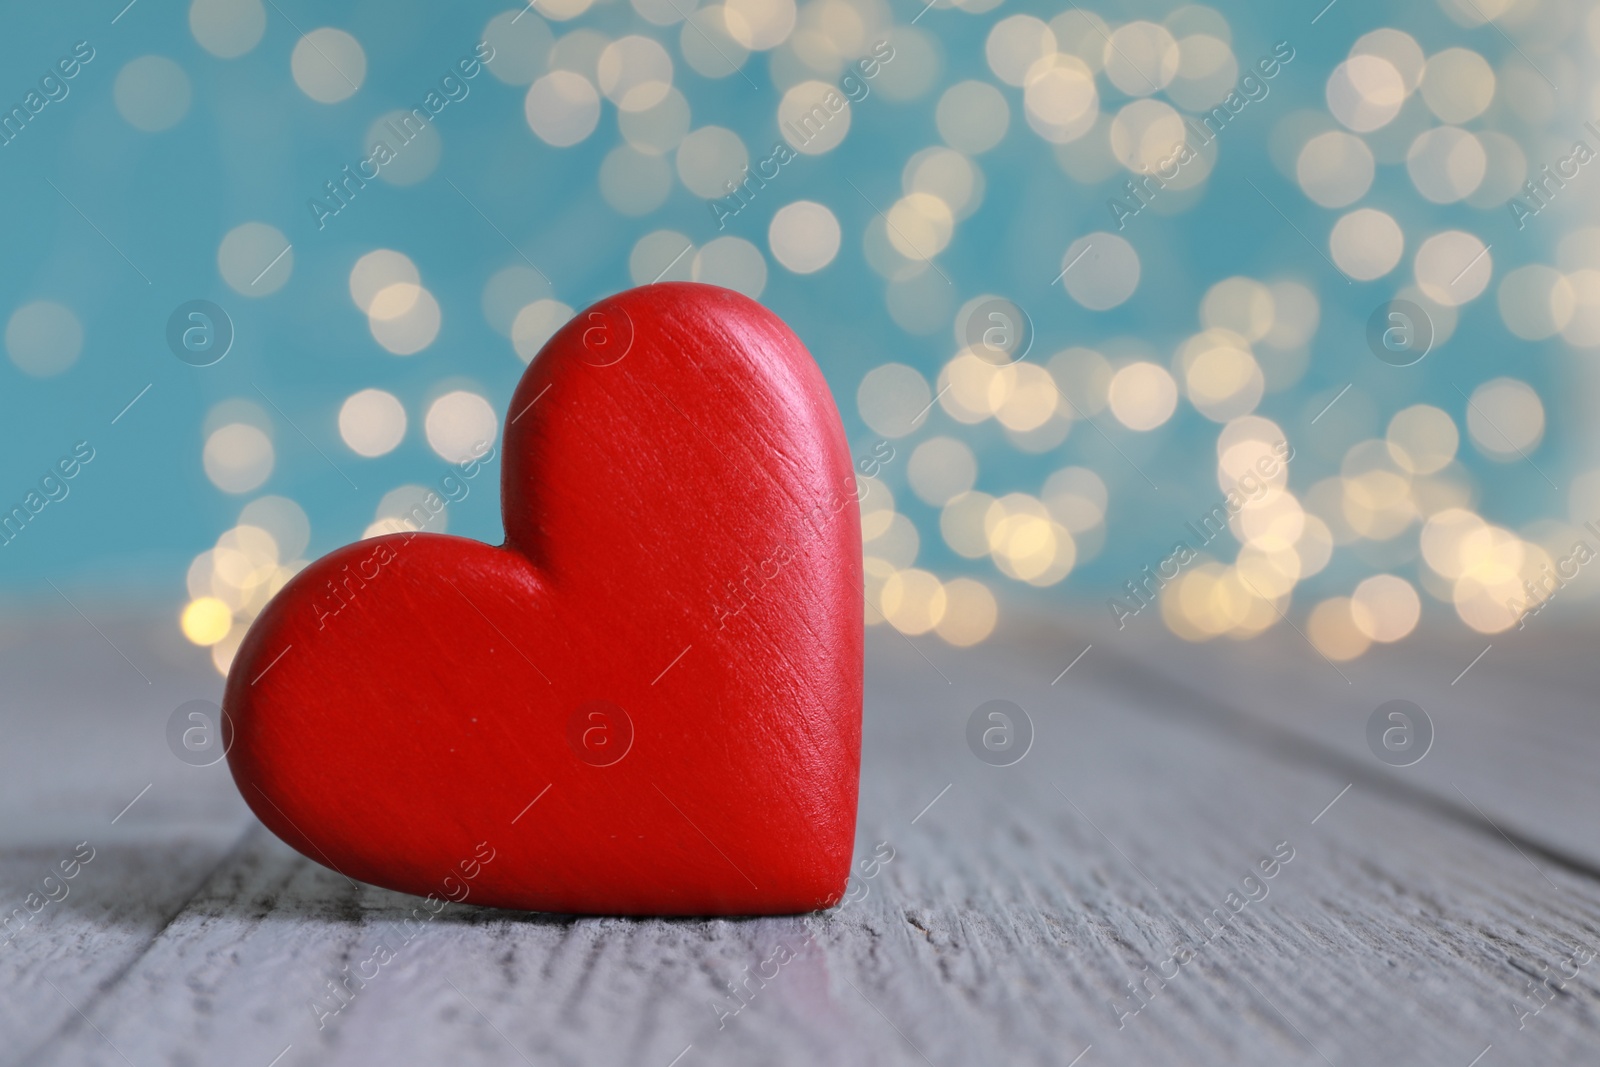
(328, 65)
(255, 259)
(562, 108)
(1142, 396)
(460, 425)
(238, 457)
(43, 338)
(372, 422)
(804, 236)
(152, 93)
(227, 28)
(1505, 419)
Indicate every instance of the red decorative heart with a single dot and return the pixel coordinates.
(648, 700)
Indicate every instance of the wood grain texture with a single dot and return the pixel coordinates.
(1017, 908)
(1513, 715)
(669, 643)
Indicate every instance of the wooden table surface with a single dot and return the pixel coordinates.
(1101, 901)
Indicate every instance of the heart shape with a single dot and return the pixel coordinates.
(648, 700)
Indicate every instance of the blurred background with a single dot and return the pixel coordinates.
(270, 269)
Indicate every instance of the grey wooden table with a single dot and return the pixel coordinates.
(1104, 900)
